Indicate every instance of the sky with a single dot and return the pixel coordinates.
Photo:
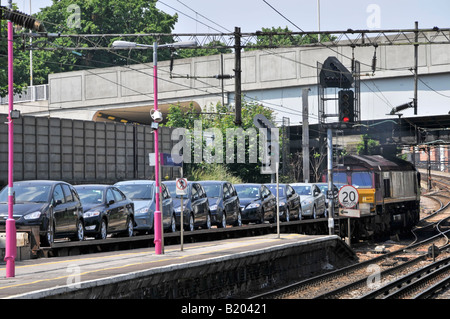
(214, 16)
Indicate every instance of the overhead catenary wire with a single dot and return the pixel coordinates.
(281, 106)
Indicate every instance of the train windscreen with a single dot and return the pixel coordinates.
(362, 179)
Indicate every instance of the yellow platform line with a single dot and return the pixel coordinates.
(136, 264)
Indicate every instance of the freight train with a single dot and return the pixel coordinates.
(389, 194)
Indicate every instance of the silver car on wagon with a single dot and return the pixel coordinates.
(312, 199)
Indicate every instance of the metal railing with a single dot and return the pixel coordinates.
(30, 94)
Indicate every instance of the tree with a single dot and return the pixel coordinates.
(367, 146)
(274, 39)
(105, 17)
(95, 17)
(21, 75)
(222, 119)
(206, 50)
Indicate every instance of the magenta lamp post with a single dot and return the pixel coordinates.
(157, 117)
(11, 250)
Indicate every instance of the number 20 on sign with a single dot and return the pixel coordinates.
(348, 196)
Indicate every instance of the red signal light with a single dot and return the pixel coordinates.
(346, 120)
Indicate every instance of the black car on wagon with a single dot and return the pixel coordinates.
(258, 204)
(224, 203)
(54, 206)
(106, 210)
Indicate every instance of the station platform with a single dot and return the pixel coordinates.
(229, 268)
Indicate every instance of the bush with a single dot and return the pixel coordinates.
(213, 172)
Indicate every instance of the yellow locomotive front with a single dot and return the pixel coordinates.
(389, 194)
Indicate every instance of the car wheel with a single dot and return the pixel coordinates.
(80, 231)
(223, 222)
(208, 221)
(103, 230)
(239, 219)
(261, 218)
(190, 226)
(300, 213)
(130, 227)
(48, 239)
(173, 224)
(288, 213)
(314, 214)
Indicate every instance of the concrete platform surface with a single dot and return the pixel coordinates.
(41, 278)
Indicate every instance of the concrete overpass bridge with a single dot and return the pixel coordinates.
(273, 77)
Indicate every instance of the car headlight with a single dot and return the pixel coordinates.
(34, 215)
(142, 210)
(307, 202)
(91, 213)
(253, 205)
(282, 203)
(213, 207)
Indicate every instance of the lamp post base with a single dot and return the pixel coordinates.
(158, 234)
(11, 248)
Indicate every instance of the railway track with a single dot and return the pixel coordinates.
(370, 276)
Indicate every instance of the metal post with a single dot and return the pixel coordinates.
(277, 166)
(181, 215)
(11, 249)
(237, 74)
(318, 18)
(182, 224)
(160, 207)
(305, 135)
(330, 181)
(416, 70)
(349, 232)
(429, 168)
(157, 215)
(31, 57)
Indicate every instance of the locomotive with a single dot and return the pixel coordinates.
(389, 194)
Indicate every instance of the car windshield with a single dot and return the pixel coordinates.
(303, 190)
(90, 195)
(212, 190)
(172, 188)
(27, 194)
(273, 189)
(137, 191)
(247, 191)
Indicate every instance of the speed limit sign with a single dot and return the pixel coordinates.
(348, 197)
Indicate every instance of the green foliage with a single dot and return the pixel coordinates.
(105, 17)
(367, 146)
(213, 172)
(21, 77)
(221, 118)
(287, 39)
(204, 51)
(97, 17)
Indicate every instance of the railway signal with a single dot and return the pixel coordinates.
(335, 75)
(346, 106)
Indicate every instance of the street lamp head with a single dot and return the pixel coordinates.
(123, 44)
(181, 44)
